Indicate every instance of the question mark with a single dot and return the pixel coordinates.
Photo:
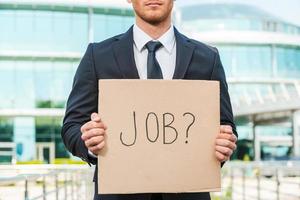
(188, 128)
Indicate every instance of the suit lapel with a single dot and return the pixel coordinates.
(124, 55)
(184, 52)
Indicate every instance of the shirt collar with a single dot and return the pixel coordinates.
(141, 38)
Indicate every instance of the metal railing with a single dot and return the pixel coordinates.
(240, 181)
(33, 182)
(261, 181)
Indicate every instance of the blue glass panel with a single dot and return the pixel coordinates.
(7, 83)
(222, 24)
(226, 58)
(62, 31)
(245, 132)
(99, 25)
(24, 30)
(114, 25)
(62, 81)
(288, 61)
(253, 61)
(24, 137)
(78, 32)
(127, 22)
(106, 26)
(274, 130)
(43, 31)
(43, 78)
(24, 85)
(7, 21)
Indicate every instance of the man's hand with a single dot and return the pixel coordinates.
(225, 143)
(93, 133)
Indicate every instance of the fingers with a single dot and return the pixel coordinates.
(91, 125)
(97, 148)
(94, 123)
(230, 137)
(92, 133)
(94, 141)
(224, 150)
(221, 157)
(95, 117)
(226, 143)
(226, 132)
(226, 129)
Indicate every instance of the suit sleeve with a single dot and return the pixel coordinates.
(82, 102)
(226, 115)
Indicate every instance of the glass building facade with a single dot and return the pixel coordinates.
(41, 45)
(40, 49)
(260, 73)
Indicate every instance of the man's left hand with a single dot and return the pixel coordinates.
(225, 143)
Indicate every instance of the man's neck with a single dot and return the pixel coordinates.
(154, 31)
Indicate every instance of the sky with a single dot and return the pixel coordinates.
(288, 10)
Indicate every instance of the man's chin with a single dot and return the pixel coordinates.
(154, 20)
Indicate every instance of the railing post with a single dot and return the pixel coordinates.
(44, 187)
(258, 183)
(72, 185)
(231, 181)
(26, 190)
(87, 189)
(277, 185)
(244, 183)
(65, 185)
(56, 187)
(78, 195)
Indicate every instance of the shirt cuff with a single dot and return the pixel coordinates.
(91, 154)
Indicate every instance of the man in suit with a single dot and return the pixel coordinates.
(151, 49)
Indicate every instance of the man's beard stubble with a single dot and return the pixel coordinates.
(153, 20)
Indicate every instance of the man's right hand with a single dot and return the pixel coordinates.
(93, 134)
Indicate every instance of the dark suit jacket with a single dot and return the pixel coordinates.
(114, 59)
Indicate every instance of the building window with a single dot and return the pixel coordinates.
(106, 26)
(29, 30)
(288, 61)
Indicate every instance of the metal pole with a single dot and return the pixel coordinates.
(77, 182)
(231, 181)
(244, 185)
(258, 183)
(56, 187)
(85, 185)
(26, 190)
(44, 188)
(277, 185)
(72, 185)
(66, 186)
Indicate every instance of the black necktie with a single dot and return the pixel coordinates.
(153, 68)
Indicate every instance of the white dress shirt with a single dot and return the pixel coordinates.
(166, 55)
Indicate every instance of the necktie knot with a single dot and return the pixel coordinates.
(153, 68)
(153, 46)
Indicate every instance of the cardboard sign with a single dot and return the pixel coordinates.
(160, 137)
